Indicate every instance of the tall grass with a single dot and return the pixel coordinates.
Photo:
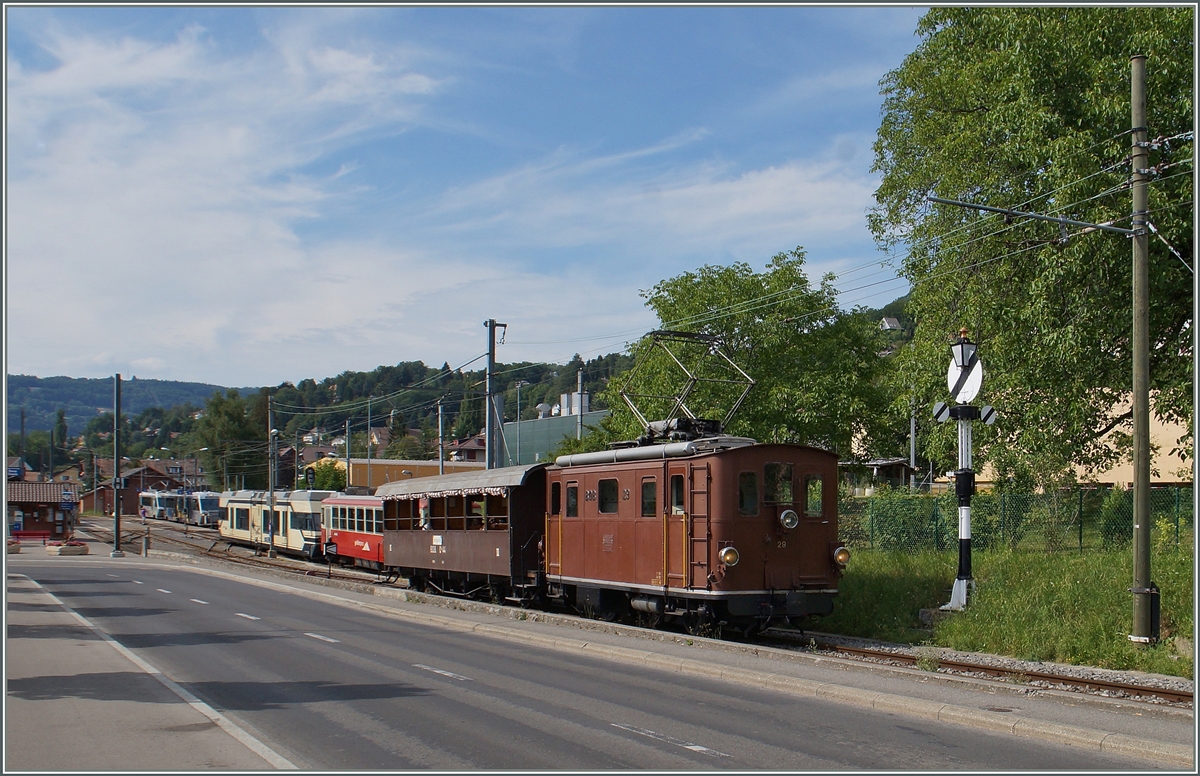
(1061, 607)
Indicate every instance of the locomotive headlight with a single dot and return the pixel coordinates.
(841, 556)
(789, 519)
(730, 556)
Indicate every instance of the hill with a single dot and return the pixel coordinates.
(84, 398)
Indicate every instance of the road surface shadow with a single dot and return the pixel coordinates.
(77, 632)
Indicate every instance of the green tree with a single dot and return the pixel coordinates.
(330, 474)
(1028, 108)
(236, 441)
(817, 368)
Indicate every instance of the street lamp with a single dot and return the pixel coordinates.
(963, 350)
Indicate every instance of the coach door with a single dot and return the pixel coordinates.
(553, 540)
(675, 517)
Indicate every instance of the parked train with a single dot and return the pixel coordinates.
(200, 508)
(293, 527)
(711, 531)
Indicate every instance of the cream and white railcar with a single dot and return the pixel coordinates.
(293, 529)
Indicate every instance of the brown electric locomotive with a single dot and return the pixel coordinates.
(716, 530)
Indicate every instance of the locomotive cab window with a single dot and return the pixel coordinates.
(649, 497)
(677, 502)
(609, 493)
(556, 498)
(572, 499)
(778, 484)
(748, 493)
(812, 496)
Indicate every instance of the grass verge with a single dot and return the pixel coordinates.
(1062, 607)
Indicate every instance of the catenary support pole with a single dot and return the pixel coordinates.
(271, 477)
(1145, 595)
(579, 402)
(441, 441)
(491, 436)
(368, 443)
(116, 482)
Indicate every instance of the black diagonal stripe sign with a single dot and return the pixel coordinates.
(963, 374)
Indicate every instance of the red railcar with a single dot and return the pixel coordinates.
(352, 530)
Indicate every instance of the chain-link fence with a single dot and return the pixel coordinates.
(1076, 520)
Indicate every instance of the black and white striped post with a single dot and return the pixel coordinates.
(963, 379)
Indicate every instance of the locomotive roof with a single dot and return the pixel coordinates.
(491, 481)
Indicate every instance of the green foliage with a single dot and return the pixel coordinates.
(1116, 518)
(409, 448)
(1076, 609)
(1026, 108)
(817, 368)
(236, 438)
(330, 474)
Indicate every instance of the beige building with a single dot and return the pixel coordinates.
(385, 470)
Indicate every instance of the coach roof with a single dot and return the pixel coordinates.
(491, 481)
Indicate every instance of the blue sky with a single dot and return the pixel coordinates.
(243, 196)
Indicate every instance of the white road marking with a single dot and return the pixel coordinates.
(247, 616)
(198, 601)
(669, 740)
(163, 591)
(252, 743)
(323, 638)
(443, 673)
(138, 583)
(114, 575)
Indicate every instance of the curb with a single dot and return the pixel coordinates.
(1096, 740)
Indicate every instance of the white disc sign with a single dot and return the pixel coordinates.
(964, 383)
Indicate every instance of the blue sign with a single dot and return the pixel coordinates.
(66, 506)
(14, 472)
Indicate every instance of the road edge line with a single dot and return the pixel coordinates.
(233, 729)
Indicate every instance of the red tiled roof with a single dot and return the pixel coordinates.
(40, 492)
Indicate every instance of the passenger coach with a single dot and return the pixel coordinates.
(352, 530)
(294, 529)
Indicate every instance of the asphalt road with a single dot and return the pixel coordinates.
(329, 687)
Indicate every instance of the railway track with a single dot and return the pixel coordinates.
(930, 661)
(205, 544)
(210, 544)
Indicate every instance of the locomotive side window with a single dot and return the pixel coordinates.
(649, 497)
(812, 495)
(778, 483)
(556, 498)
(677, 494)
(748, 493)
(609, 493)
(572, 499)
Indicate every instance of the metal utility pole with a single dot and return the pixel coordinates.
(912, 444)
(116, 481)
(347, 453)
(441, 442)
(368, 442)
(491, 454)
(22, 443)
(1145, 592)
(271, 477)
(579, 402)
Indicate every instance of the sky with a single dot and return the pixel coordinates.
(246, 196)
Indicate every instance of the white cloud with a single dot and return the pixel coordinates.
(159, 196)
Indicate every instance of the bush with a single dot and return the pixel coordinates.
(1116, 518)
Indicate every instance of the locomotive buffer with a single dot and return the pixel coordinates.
(963, 378)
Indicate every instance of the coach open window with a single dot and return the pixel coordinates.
(649, 497)
(572, 499)
(497, 512)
